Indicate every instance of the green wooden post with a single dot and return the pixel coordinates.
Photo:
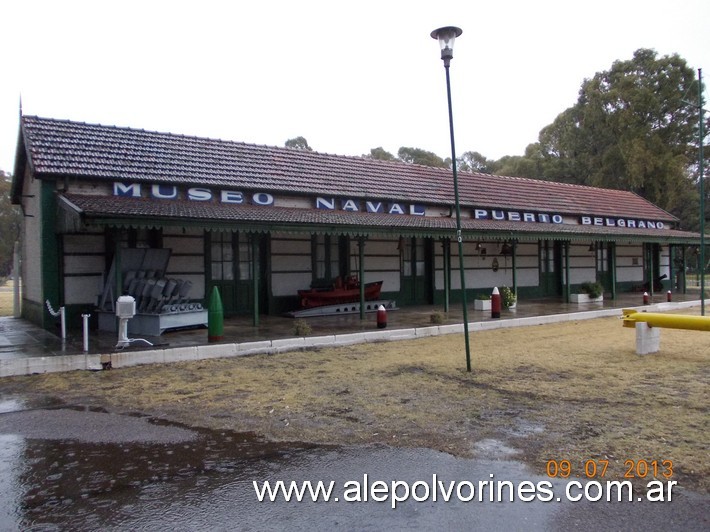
(651, 249)
(50, 253)
(671, 272)
(255, 278)
(361, 251)
(685, 269)
(612, 250)
(446, 249)
(514, 245)
(567, 281)
(118, 273)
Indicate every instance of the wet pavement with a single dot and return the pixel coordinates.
(21, 339)
(89, 476)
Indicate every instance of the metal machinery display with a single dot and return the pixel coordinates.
(162, 303)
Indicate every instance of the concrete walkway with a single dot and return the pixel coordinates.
(26, 349)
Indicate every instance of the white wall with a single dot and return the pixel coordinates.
(629, 263)
(187, 261)
(290, 264)
(83, 267)
(582, 263)
(665, 262)
(479, 266)
(381, 262)
(31, 238)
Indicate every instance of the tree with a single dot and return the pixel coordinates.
(300, 143)
(630, 129)
(472, 161)
(380, 154)
(10, 220)
(423, 157)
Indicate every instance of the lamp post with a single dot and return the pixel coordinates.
(701, 171)
(701, 184)
(446, 37)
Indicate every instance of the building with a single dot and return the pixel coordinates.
(105, 205)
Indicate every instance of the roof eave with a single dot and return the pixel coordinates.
(22, 159)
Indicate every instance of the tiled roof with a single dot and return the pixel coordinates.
(139, 211)
(63, 148)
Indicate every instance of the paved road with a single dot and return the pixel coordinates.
(89, 469)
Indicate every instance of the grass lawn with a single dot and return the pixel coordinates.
(574, 391)
(6, 299)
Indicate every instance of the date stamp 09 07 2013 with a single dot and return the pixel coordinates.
(596, 469)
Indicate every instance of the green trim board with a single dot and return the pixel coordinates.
(49, 252)
(363, 231)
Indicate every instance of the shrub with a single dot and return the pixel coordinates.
(507, 297)
(592, 289)
(301, 328)
(437, 318)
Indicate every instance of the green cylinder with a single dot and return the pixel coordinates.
(215, 317)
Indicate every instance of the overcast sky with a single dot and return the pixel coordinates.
(347, 76)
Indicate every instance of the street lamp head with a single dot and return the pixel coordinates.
(446, 37)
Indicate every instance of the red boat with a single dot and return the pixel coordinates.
(347, 292)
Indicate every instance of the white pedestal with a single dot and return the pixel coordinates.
(584, 298)
(648, 339)
(482, 304)
(155, 324)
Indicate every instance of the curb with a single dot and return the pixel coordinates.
(94, 362)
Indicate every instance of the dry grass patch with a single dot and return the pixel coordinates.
(6, 299)
(581, 383)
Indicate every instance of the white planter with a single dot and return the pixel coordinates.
(482, 304)
(584, 298)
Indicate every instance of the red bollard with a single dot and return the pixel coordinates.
(669, 298)
(495, 303)
(645, 298)
(381, 317)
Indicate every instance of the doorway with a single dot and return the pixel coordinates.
(416, 266)
(232, 260)
(551, 266)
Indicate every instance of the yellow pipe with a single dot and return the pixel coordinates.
(668, 321)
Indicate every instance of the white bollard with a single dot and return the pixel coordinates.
(86, 332)
(648, 339)
(63, 320)
(61, 315)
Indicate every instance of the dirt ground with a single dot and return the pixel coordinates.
(573, 391)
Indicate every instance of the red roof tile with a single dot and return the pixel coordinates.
(63, 148)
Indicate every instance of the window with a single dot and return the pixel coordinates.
(412, 257)
(547, 257)
(244, 257)
(142, 238)
(602, 252)
(223, 260)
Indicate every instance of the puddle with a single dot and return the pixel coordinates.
(494, 450)
(80, 484)
(203, 479)
(11, 405)
(209, 485)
